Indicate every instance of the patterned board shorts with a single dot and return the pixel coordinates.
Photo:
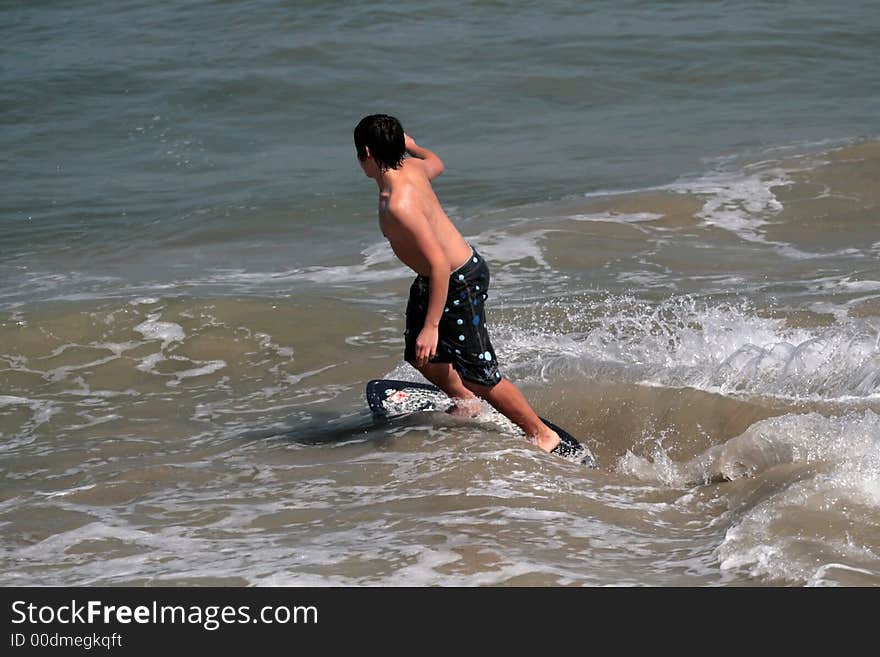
(463, 336)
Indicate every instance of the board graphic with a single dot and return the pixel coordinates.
(391, 399)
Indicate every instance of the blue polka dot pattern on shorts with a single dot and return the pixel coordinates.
(463, 337)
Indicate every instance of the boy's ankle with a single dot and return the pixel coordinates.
(469, 407)
(547, 439)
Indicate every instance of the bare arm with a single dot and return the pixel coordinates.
(432, 164)
(412, 234)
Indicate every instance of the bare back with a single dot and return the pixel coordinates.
(411, 217)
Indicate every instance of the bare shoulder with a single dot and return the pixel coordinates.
(406, 200)
(416, 171)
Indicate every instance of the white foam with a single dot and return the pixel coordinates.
(824, 575)
(378, 264)
(644, 279)
(66, 492)
(11, 400)
(293, 379)
(118, 348)
(617, 217)
(41, 412)
(208, 367)
(56, 546)
(845, 284)
(816, 474)
(503, 249)
(353, 274)
(739, 202)
(767, 539)
(685, 342)
(143, 301)
(167, 332)
(266, 342)
(743, 203)
(62, 373)
(149, 363)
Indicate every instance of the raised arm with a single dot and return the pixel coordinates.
(432, 164)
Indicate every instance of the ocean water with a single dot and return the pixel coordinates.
(679, 204)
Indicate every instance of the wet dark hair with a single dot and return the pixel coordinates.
(383, 135)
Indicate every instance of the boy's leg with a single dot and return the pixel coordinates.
(507, 399)
(447, 379)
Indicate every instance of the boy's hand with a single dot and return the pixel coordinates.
(408, 142)
(432, 164)
(426, 345)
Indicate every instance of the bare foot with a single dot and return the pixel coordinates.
(465, 407)
(546, 439)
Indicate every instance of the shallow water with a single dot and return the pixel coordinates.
(678, 203)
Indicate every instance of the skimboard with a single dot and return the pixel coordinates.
(390, 399)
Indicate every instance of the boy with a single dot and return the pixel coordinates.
(446, 336)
